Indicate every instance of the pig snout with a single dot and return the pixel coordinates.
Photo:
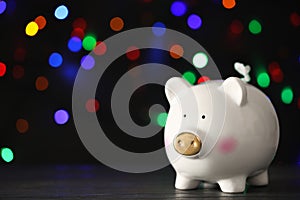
(187, 144)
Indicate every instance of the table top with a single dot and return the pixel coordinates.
(99, 182)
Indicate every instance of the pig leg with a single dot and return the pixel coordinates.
(259, 179)
(184, 183)
(233, 185)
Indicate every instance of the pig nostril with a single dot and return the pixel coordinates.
(180, 142)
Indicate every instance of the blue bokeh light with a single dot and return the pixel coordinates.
(75, 44)
(61, 117)
(178, 8)
(61, 12)
(159, 28)
(87, 62)
(194, 21)
(2, 7)
(55, 60)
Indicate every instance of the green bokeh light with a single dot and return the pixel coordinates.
(263, 80)
(7, 154)
(190, 77)
(161, 119)
(287, 95)
(89, 42)
(255, 27)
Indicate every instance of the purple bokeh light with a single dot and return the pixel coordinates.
(87, 62)
(194, 21)
(178, 8)
(61, 116)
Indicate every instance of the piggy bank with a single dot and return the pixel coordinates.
(223, 132)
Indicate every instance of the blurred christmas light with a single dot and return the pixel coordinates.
(132, 53)
(229, 4)
(55, 60)
(161, 119)
(263, 80)
(61, 12)
(87, 62)
(31, 29)
(7, 154)
(116, 23)
(275, 72)
(298, 103)
(200, 60)
(74, 44)
(176, 51)
(203, 79)
(18, 72)
(255, 27)
(41, 22)
(2, 7)
(2, 69)
(194, 21)
(22, 125)
(178, 8)
(77, 32)
(61, 117)
(100, 49)
(295, 19)
(159, 28)
(236, 27)
(92, 105)
(287, 95)
(190, 77)
(89, 42)
(41, 83)
(79, 23)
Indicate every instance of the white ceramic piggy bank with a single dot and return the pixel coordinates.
(223, 132)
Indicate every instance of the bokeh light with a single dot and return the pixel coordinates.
(255, 27)
(176, 51)
(236, 27)
(22, 125)
(194, 21)
(79, 23)
(132, 53)
(203, 79)
(2, 7)
(161, 119)
(295, 19)
(61, 12)
(87, 62)
(287, 95)
(41, 83)
(20, 54)
(61, 117)
(7, 154)
(89, 42)
(263, 80)
(55, 60)
(275, 72)
(298, 103)
(178, 8)
(100, 49)
(2, 69)
(41, 22)
(159, 28)
(116, 23)
(229, 4)
(190, 77)
(77, 32)
(92, 105)
(18, 72)
(31, 29)
(74, 44)
(200, 60)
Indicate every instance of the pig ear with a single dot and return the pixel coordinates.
(235, 88)
(175, 85)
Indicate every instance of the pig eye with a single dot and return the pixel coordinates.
(184, 115)
(203, 116)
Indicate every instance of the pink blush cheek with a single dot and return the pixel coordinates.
(227, 145)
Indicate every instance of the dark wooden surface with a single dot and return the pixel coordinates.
(98, 182)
